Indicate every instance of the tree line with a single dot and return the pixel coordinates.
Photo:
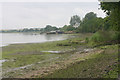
(89, 24)
(109, 32)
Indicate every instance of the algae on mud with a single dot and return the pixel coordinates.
(103, 65)
(36, 59)
(20, 55)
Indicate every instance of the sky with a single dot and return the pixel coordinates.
(19, 15)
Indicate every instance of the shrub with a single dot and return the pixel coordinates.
(105, 37)
(86, 39)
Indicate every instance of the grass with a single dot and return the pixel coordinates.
(91, 68)
(63, 45)
(22, 60)
(19, 55)
(102, 65)
(103, 38)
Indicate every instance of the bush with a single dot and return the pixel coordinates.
(116, 36)
(100, 36)
(86, 39)
(105, 37)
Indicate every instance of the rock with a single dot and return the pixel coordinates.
(84, 70)
(46, 71)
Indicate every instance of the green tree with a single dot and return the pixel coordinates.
(112, 9)
(75, 21)
(90, 16)
(49, 28)
(90, 23)
(68, 28)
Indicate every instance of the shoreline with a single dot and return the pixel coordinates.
(43, 59)
(12, 52)
(28, 43)
(17, 43)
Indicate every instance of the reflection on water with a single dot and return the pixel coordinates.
(52, 51)
(54, 37)
(12, 38)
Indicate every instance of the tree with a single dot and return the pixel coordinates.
(90, 16)
(112, 9)
(68, 28)
(90, 23)
(49, 28)
(75, 21)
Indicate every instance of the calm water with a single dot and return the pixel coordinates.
(13, 38)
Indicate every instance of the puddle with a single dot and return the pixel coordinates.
(53, 51)
(1, 61)
(59, 51)
(87, 50)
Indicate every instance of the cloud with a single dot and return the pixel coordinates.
(0, 16)
(26, 15)
(49, 1)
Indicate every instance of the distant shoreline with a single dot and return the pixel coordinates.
(17, 43)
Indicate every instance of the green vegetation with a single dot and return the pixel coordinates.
(21, 30)
(19, 55)
(93, 67)
(75, 21)
(105, 64)
(40, 30)
(68, 28)
(103, 37)
(112, 9)
(49, 28)
(90, 23)
(18, 50)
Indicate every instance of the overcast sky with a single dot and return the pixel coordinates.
(19, 15)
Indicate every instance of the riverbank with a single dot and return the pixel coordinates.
(103, 64)
(19, 38)
(36, 60)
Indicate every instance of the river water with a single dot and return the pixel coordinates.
(15, 38)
